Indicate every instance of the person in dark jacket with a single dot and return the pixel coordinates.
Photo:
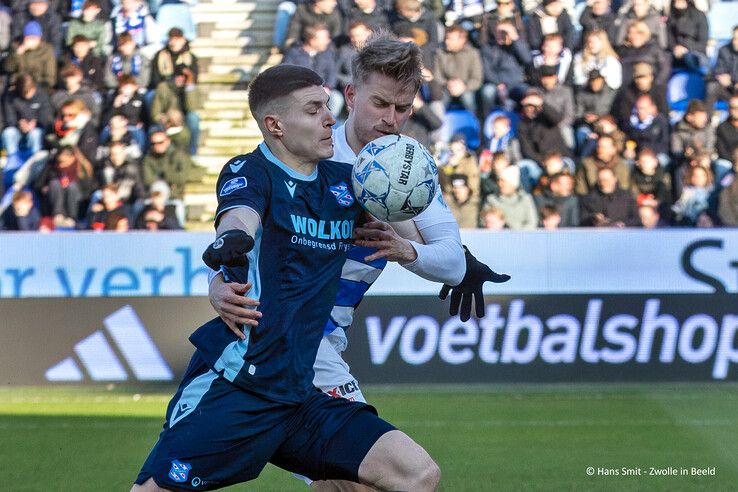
(175, 53)
(723, 81)
(92, 66)
(643, 11)
(157, 215)
(550, 18)
(642, 84)
(640, 47)
(560, 194)
(728, 199)
(410, 13)
(358, 32)
(21, 215)
(128, 102)
(591, 103)
(368, 12)
(422, 122)
(609, 205)
(27, 113)
(598, 16)
(688, 34)
(315, 12)
(315, 52)
(649, 180)
(727, 132)
(504, 65)
(122, 172)
(50, 22)
(75, 88)
(649, 129)
(506, 11)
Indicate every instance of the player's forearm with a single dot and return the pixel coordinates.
(441, 259)
(242, 218)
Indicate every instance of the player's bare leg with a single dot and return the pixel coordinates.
(396, 462)
(148, 486)
(340, 486)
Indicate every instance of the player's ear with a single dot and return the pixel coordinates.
(273, 125)
(349, 93)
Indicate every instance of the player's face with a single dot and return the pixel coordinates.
(307, 125)
(379, 106)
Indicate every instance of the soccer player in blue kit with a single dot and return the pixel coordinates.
(386, 79)
(284, 223)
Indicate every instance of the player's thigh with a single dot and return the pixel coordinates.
(333, 375)
(340, 486)
(396, 460)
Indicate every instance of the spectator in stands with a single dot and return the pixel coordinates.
(693, 206)
(492, 218)
(109, 213)
(463, 202)
(606, 156)
(505, 64)
(164, 162)
(27, 112)
(175, 53)
(459, 161)
(598, 55)
(555, 55)
(649, 129)
(368, 12)
(640, 47)
(174, 125)
(606, 126)
(74, 88)
(649, 181)
(561, 98)
(727, 132)
(180, 93)
(598, 16)
(315, 12)
(728, 204)
(75, 128)
(516, 204)
(553, 163)
(467, 13)
(123, 172)
(560, 195)
(92, 65)
(608, 205)
(133, 18)
(127, 59)
(550, 18)
(505, 11)
(33, 56)
(127, 101)
(490, 167)
(724, 79)
(92, 27)
(458, 68)
(411, 13)
(65, 183)
(688, 34)
(693, 134)
(650, 216)
(642, 84)
(503, 139)
(592, 103)
(21, 215)
(49, 21)
(358, 33)
(314, 51)
(641, 11)
(119, 130)
(550, 217)
(539, 133)
(423, 122)
(157, 215)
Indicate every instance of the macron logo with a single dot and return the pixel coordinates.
(236, 166)
(291, 187)
(100, 361)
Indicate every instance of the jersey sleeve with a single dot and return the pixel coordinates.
(243, 183)
(436, 213)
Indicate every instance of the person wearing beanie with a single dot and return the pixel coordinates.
(34, 56)
(517, 205)
(43, 14)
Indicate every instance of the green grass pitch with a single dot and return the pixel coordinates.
(522, 437)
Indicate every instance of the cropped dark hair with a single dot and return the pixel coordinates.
(277, 82)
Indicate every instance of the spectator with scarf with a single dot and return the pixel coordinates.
(127, 59)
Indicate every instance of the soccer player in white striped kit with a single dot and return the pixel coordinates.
(386, 79)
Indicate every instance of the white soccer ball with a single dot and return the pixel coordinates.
(395, 178)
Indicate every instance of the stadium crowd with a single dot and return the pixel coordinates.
(547, 113)
(99, 116)
(541, 113)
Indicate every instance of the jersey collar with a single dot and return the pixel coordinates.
(284, 167)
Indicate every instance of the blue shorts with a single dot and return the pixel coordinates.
(217, 435)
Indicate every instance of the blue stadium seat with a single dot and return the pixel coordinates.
(722, 19)
(464, 122)
(175, 14)
(682, 87)
(500, 112)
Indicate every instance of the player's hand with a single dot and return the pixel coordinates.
(389, 245)
(233, 308)
(470, 288)
(229, 249)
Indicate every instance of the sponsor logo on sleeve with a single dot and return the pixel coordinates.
(232, 185)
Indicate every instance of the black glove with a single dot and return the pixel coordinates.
(229, 249)
(477, 273)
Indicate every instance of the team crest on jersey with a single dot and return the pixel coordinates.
(232, 185)
(179, 471)
(342, 194)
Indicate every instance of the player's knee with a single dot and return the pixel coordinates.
(148, 486)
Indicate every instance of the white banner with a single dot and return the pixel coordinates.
(578, 261)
